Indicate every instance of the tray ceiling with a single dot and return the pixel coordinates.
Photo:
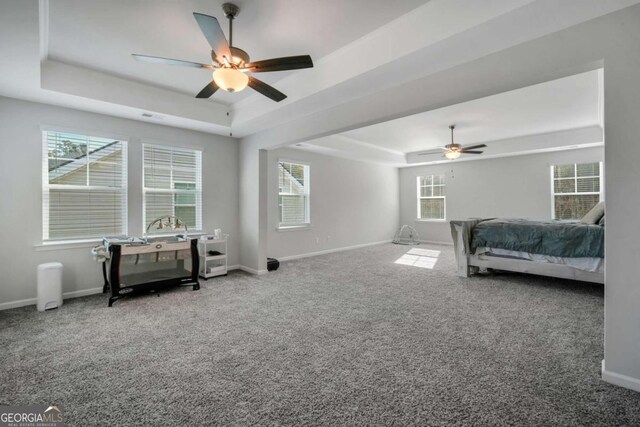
(101, 35)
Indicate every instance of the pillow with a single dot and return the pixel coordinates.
(601, 222)
(594, 215)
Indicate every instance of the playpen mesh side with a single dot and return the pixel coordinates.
(407, 235)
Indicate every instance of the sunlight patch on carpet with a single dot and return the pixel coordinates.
(421, 258)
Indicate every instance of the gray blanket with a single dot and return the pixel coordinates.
(553, 238)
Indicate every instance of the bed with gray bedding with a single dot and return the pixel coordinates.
(569, 249)
(554, 238)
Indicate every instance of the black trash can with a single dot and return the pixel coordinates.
(272, 264)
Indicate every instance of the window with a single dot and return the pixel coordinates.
(172, 184)
(576, 189)
(431, 199)
(293, 197)
(84, 187)
(185, 203)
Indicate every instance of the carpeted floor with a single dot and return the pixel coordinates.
(350, 338)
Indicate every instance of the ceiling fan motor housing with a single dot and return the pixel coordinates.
(239, 56)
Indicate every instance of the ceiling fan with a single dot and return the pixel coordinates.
(231, 65)
(453, 151)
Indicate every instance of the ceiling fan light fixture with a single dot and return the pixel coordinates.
(452, 155)
(453, 149)
(230, 79)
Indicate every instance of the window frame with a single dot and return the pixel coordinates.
(173, 191)
(420, 197)
(575, 178)
(307, 195)
(123, 190)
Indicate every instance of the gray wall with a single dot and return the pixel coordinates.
(21, 197)
(352, 203)
(622, 151)
(517, 187)
(252, 176)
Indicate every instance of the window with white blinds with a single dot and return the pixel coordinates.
(293, 194)
(173, 184)
(84, 186)
(577, 187)
(431, 198)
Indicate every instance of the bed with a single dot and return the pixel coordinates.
(565, 249)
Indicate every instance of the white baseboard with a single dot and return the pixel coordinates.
(432, 242)
(329, 251)
(34, 301)
(18, 303)
(82, 293)
(620, 379)
(251, 270)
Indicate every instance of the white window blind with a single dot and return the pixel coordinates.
(84, 186)
(431, 198)
(173, 184)
(293, 194)
(577, 187)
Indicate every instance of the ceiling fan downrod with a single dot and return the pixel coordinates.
(230, 11)
(238, 56)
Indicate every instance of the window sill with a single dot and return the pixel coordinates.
(66, 244)
(293, 227)
(431, 220)
(57, 245)
(191, 234)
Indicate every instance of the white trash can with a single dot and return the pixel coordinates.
(49, 286)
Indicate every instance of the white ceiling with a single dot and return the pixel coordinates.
(76, 53)
(569, 103)
(102, 35)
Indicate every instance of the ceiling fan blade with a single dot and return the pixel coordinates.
(208, 90)
(280, 64)
(438, 150)
(169, 61)
(473, 147)
(214, 35)
(265, 89)
(471, 152)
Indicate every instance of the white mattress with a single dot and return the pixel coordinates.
(591, 264)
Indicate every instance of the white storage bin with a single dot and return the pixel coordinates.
(49, 286)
